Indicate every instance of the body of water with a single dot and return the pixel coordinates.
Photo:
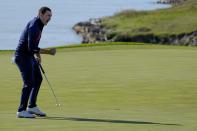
(14, 16)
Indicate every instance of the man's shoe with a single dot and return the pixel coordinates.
(36, 111)
(24, 114)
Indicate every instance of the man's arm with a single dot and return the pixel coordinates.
(44, 51)
(51, 51)
(33, 34)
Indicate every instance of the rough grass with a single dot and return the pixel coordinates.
(109, 88)
(176, 20)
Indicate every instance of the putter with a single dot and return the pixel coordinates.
(43, 72)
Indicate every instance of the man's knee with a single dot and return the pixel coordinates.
(28, 85)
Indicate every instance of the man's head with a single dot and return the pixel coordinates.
(45, 14)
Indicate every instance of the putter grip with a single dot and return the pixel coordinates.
(40, 67)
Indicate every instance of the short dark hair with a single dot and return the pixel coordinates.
(44, 9)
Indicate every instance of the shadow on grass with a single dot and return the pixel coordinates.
(105, 120)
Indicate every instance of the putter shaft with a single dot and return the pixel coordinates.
(43, 72)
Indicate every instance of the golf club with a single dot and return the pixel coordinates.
(43, 72)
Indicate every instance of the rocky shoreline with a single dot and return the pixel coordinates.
(180, 39)
(170, 1)
(93, 31)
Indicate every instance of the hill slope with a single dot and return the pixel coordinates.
(175, 25)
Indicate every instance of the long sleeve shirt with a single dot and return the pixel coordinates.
(30, 38)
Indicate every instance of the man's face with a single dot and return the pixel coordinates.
(46, 17)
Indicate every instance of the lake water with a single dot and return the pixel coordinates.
(14, 15)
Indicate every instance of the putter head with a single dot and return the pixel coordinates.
(58, 105)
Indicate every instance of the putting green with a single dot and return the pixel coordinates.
(109, 88)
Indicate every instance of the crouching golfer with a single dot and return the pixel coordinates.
(27, 56)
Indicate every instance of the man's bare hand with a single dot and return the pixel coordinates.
(53, 51)
(38, 57)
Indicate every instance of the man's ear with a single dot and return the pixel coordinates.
(40, 14)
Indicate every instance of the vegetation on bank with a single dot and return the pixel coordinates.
(179, 19)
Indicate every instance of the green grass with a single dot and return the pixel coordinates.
(176, 20)
(109, 88)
